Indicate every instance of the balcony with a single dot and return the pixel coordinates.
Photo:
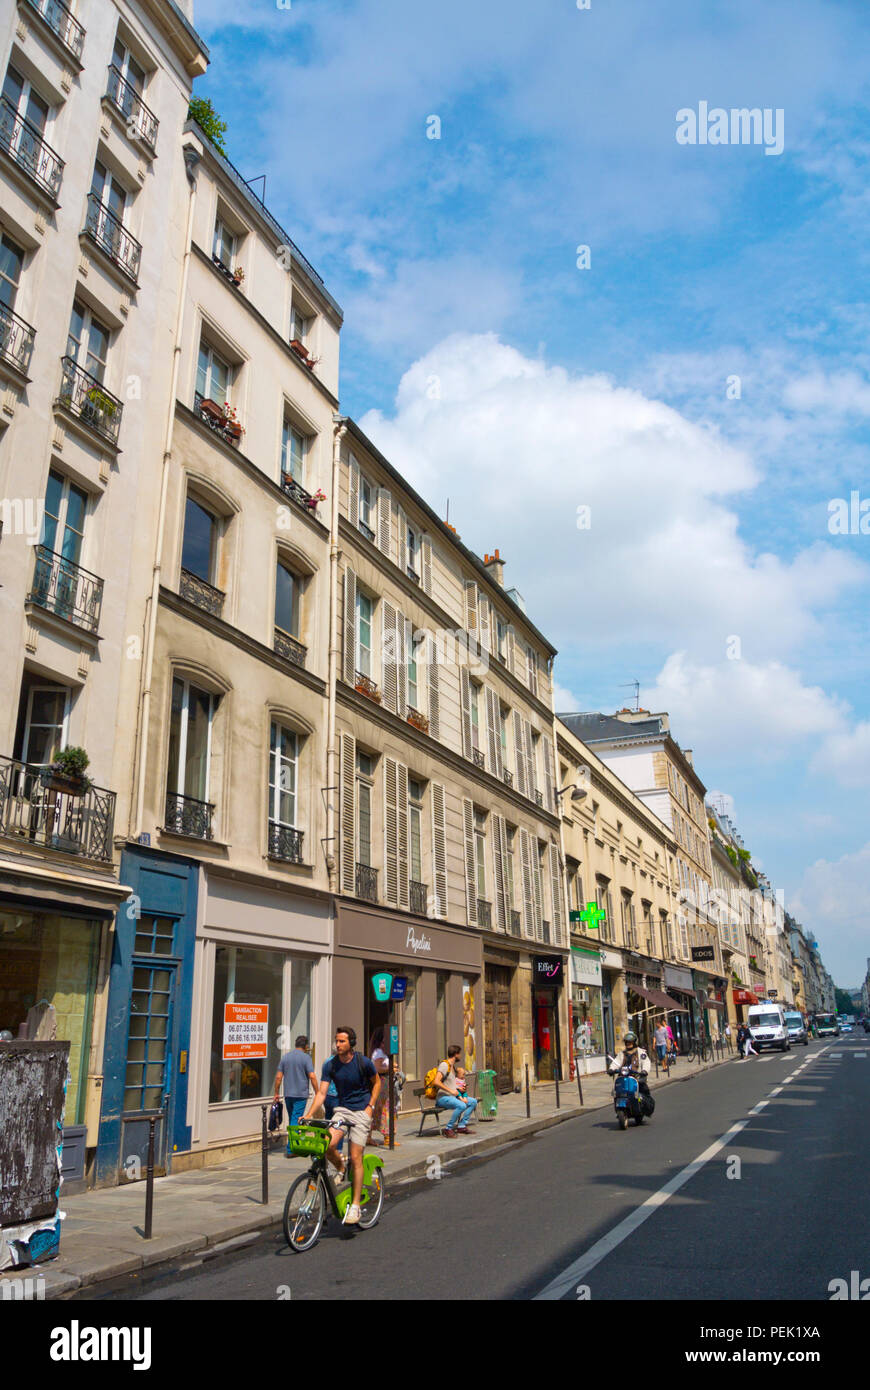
(297, 493)
(62, 24)
(40, 817)
(546, 935)
(226, 271)
(418, 720)
(514, 923)
(412, 574)
(478, 759)
(364, 685)
(285, 843)
(185, 815)
(507, 777)
(367, 883)
(484, 914)
(218, 418)
(86, 398)
(140, 121)
(65, 589)
(419, 897)
(366, 531)
(201, 593)
(24, 144)
(108, 233)
(289, 648)
(16, 340)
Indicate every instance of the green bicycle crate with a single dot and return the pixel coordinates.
(307, 1140)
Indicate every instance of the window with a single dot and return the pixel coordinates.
(283, 760)
(364, 788)
(413, 548)
(300, 326)
(11, 264)
(88, 341)
(294, 448)
(199, 546)
(503, 715)
(364, 617)
(415, 825)
(480, 851)
(408, 1025)
(190, 727)
(214, 376)
(224, 245)
(511, 835)
(131, 71)
(501, 638)
(246, 976)
(45, 723)
(27, 105)
(475, 714)
(155, 936)
(111, 194)
(65, 509)
(539, 871)
(367, 502)
(441, 1014)
(288, 587)
(411, 669)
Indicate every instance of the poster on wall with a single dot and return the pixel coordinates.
(468, 1039)
(246, 1031)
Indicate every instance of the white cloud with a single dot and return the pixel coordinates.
(832, 901)
(845, 755)
(840, 393)
(565, 700)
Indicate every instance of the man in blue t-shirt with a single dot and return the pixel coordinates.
(297, 1069)
(358, 1085)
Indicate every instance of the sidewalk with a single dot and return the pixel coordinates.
(209, 1208)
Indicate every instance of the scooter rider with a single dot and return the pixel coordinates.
(636, 1058)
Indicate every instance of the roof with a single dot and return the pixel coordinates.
(597, 728)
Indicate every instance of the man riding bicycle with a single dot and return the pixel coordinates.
(358, 1085)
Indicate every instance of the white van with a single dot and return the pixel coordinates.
(766, 1023)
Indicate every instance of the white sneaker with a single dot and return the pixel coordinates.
(351, 1216)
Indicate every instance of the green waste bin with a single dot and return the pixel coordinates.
(487, 1101)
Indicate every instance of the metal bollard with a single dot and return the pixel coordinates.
(265, 1155)
(579, 1084)
(556, 1079)
(390, 1099)
(149, 1178)
(528, 1097)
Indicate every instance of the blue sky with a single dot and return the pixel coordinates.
(455, 261)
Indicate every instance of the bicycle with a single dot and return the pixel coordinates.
(699, 1050)
(305, 1207)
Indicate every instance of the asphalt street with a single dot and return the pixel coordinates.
(664, 1211)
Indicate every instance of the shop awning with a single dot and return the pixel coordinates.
(658, 997)
(745, 996)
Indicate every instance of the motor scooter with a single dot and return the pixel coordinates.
(628, 1101)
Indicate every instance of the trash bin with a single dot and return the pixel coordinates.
(487, 1107)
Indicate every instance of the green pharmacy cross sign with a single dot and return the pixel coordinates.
(592, 914)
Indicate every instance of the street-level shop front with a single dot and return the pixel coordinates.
(679, 985)
(614, 1010)
(499, 1016)
(548, 978)
(643, 987)
(443, 970)
(710, 992)
(587, 1015)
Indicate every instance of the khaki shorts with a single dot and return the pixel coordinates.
(355, 1123)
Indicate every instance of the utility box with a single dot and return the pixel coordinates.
(33, 1078)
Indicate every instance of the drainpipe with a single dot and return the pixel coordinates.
(334, 654)
(192, 159)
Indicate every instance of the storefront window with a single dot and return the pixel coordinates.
(409, 1026)
(47, 977)
(441, 1015)
(588, 1022)
(300, 1000)
(245, 976)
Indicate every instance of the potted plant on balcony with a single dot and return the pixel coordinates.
(418, 720)
(211, 410)
(97, 406)
(66, 772)
(315, 498)
(230, 422)
(365, 686)
(300, 349)
(238, 275)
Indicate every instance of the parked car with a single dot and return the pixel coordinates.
(797, 1031)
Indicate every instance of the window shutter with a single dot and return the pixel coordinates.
(484, 619)
(390, 647)
(396, 833)
(511, 650)
(403, 540)
(531, 770)
(353, 492)
(470, 606)
(493, 732)
(538, 907)
(465, 688)
(347, 814)
(519, 755)
(556, 887)
(402, 846)
(533, 669)
(439, 849)
(528, 893)
(499, 849)
(470, 875)
(432, 679)
(405, 629)
(385, 504)
(426, 555)
(549, 798)
(349, 625)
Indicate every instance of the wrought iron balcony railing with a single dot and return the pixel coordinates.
(213, 415)
(34, 812)
(419, 897)
(66, 589)
(366, 530)
(477, 757)
(514, 923)
(141, 121)
(508, 777)
(484, 914)
(186, 815)
(285, 843)
(539, 798)
(289, 648)
(412, 574)
(24, 143)
(16, 339)
(298, 494)
(367, 883)
(88, 399)
(366, 686)
(62, 22)
(200, 592)
(109, 233)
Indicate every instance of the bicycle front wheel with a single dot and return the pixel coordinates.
(371, 1210)
(304, 1213)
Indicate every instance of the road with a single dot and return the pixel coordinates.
(746, 1184)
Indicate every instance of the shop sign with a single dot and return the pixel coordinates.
(548, 970)
(400, 985)
(394, 1039)
(703, 953)
(418, 943)
(246, 1031)
(382, 984)
(612, 959)
(585, 968)
(772, 993)
(677, 978)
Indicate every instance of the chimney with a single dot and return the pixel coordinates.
(495, 564)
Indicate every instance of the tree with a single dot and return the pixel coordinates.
(208, 120)
(843, 1002)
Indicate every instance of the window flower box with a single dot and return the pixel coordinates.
(418, 720)
(212, 410)
(364, 686)
(300, 349)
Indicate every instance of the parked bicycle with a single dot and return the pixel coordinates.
(314, 1195)
(699, 1050)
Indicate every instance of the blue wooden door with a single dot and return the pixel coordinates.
(148, 1065)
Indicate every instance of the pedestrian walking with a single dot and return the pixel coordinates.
(660, 1037)
(296, 1069)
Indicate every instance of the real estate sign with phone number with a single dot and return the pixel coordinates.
(246, 1031)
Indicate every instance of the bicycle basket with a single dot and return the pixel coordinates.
(307, 1139)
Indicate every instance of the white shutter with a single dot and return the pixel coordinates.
(390, 648)
(439, 850)
(465, 688)
(519, 756)
(532, 657)
(493, 732)
(499, 850)
(470, 874)
(405, 629)
(484, 621)
(432, 679)
(470, 606)
(426, 555)
(403, 540)
(353, 492)
(397, 891)
(529, 754)
(536, 887)
(385, 507)
(347, 814)
(528, 891)
(547, 747)
(511, 650)
(349, 626)
(558, 904)
(403, 862)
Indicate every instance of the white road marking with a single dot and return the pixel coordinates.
(836, 1054)
(860, 1054)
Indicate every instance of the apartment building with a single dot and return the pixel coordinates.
(91, 250)
(449, 869)
(736, 911)
(640, 749)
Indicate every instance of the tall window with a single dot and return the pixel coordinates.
(88, 341)
(283, 760)
(367, 505)
(503, 726)
(190, 727)
(213, 375)
(199, 546)
(45, 724)
(224, 245)
(294, 447)
(11, 263)
(475, 714)
(537, 869)
(480, 851)
(411, 668)
(287, 590)
(108, 191)
(415, 824)
(501, 638)
(64, 524)
(364, 615)
(441, 1014)
(29, 106)
(131, 71)
(364, 789)
(413, 546)
(509, 865)
(300, 326)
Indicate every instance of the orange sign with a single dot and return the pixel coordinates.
(246, 1031)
